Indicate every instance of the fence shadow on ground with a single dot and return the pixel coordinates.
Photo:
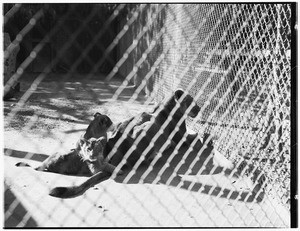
(61, 101)
(25, 155)
(255, 195)
(14, 217)
(163, 176)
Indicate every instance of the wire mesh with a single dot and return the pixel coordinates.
(73, 60)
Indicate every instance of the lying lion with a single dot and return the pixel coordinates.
(140, 138)
(87, 157)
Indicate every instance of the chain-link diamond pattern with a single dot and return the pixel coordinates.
(120, 60)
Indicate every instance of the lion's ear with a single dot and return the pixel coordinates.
(104, 120)
(97, 114)
(178, 93)
(82, 140)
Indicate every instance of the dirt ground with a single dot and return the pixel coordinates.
(55, 116)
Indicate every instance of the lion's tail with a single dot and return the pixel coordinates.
(74, 191)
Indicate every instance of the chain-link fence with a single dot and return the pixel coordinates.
(65, 62)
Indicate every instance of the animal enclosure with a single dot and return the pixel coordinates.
(122, 59)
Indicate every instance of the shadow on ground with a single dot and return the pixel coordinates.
(73, 100)
(164, 175)
(25, 155)
(16, 214)
(196, 169)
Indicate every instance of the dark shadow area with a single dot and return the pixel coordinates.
(245, 196)
(17, 214)
(25, 155)
(74, 131)
(164, 176)
(72, 100)
(256, 195)
(85, 121)
(29, 113)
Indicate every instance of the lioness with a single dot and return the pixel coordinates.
(76, 161)
(151, 130)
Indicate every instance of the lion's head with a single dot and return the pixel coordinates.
(98, 127)
(92, 149)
